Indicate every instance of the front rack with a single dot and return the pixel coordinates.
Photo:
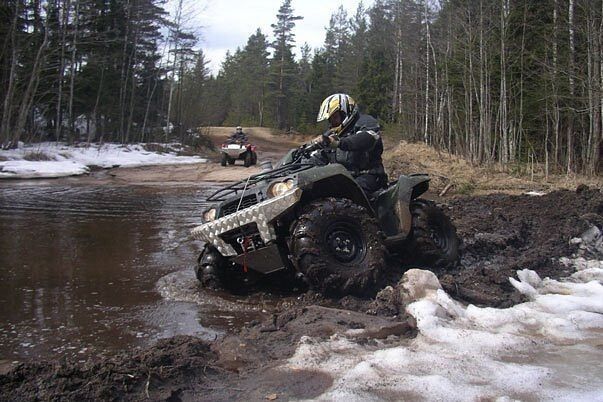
(232, 189)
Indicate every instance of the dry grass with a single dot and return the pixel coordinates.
(464, 178)
(37, 156)
(156, 148)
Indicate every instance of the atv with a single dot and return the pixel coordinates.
(233, 150)
(315, 222)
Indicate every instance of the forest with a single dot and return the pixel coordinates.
(507, 82)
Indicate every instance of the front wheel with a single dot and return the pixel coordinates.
(224, 160)
(338, 248)
(216, 272)
(248, 159)
(433, 240)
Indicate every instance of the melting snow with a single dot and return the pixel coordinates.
(64, 160)
(547, 348)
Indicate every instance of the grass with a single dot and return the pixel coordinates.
(157, 148)
(37, 156)
(402, 157)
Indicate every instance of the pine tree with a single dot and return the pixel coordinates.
(377, 72)
(282, 65)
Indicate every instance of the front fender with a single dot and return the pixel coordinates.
(332, 180)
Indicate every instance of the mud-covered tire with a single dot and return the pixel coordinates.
(248, 159)
(433, 242)
(224, 159)
(317, 236)
(216, 272)
(254, 158)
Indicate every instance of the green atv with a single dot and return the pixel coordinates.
(313, 220)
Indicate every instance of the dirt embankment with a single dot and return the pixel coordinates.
(501, 233)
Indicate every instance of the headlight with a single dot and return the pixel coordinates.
(280, 188)
(209, 215)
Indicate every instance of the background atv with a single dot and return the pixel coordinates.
(315, 221)
(233, 150)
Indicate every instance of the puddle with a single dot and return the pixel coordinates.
(89, 270)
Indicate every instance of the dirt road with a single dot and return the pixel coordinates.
(271, 146)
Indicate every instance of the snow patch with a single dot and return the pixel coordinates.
(534, 193)
(64, 160)
(546, 348)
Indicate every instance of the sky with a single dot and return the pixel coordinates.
(226, 25)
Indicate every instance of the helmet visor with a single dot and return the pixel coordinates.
(336, 119)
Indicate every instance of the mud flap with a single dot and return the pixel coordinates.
(393, 206)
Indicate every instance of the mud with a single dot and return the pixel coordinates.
(505, 233)
(240, 366)
(500, 234)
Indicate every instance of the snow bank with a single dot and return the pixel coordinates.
(546, 348)
(58, 160)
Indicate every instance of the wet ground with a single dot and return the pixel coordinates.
(158, 296)
(98, 264)
(89, 270)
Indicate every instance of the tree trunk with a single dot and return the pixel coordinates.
(8, 99)
(427, 43)
(64, 21)
(73, 64)
(556, 113)
(32, 86)
(570, 124)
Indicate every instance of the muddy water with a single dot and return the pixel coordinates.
(88, 270)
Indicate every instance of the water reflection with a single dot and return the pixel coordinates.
(80, 266)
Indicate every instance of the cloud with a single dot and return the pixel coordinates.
(227, 25)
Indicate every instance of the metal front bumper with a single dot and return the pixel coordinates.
(262, 214)
(234, 153)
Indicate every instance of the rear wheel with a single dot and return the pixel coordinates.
(338, 247)
(254, 157)
(433, 241)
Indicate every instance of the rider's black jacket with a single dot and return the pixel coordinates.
(237, 137)
(360, 147)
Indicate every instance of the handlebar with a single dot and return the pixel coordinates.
(307, 149)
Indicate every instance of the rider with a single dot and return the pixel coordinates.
(238, 135)
(355, 141)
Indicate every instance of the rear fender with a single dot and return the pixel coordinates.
(393, 205)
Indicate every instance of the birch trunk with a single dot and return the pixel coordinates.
(570, 128)
(59, 115)
(73, 64)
